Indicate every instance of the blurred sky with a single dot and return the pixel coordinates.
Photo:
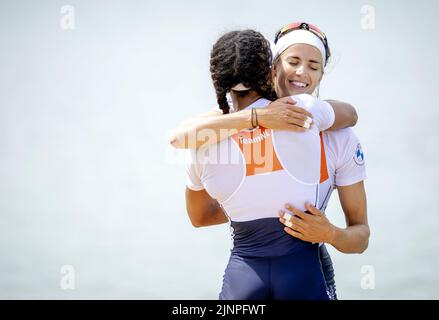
(87, 178)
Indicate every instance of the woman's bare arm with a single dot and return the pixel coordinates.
(203, 210)
(210, 129)
(214, 127)
(315, 226)
(345, 115)
(355, 237)
(282, 114)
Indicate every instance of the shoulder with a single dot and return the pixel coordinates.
(341, 134)
(340, 139)
(343, 143)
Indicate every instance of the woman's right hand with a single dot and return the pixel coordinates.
(283, 114)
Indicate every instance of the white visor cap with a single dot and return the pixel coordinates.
(299, 36)
(240, 87)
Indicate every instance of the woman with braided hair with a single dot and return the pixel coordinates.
(245, 62)
(266, 263)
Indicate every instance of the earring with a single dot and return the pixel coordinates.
(317, 92)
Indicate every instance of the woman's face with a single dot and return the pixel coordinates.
(298, 70)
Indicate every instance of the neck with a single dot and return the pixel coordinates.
(242, 101)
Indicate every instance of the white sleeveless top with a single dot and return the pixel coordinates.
(256, 171)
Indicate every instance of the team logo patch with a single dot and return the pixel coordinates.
(359, 155)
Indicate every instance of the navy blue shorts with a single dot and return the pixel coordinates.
(297, 276)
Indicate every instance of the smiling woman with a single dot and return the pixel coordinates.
(302, 69)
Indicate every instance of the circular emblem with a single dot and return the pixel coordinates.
(359, 155)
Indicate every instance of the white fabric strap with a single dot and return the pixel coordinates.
(240, 87)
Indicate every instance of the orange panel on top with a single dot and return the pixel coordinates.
(257, 148)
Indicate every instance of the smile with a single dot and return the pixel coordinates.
(298, 84)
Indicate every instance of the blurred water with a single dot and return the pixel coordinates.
(87, 178)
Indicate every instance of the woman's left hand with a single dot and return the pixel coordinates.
(312, 227)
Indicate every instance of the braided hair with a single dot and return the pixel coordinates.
(241, 57)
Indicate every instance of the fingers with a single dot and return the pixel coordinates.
(292, 221)
(299, 110)
(282, 102)
(293, 226)
(313, 210)
(300, 122)
(295, 128)
(293, 233)
(282, 114)
(297, 212)
(295, 223)
(287, 100)
(284, 215)
(299, 117)
(308, 122)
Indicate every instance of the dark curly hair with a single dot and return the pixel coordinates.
(241, 57)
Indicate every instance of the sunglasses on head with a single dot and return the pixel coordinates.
(304, 26)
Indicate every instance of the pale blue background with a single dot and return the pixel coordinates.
(87, 178)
